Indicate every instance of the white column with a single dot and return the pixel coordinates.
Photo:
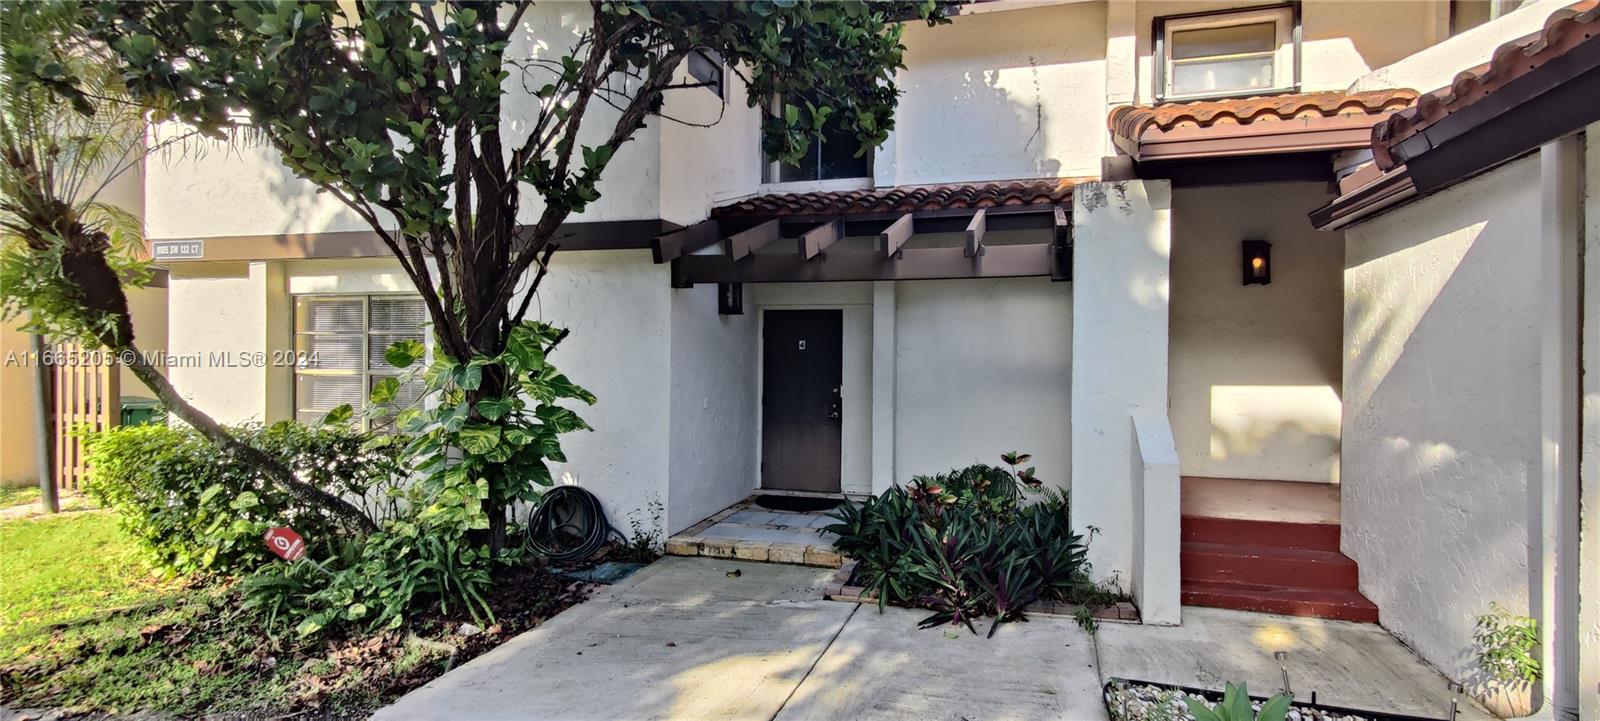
(1121, 238)
(883, 352)
(1556, 541)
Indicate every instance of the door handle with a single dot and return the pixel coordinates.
(833, 410)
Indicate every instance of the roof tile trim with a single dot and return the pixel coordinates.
(1132, 121)
(1566, 28)
(906, 198)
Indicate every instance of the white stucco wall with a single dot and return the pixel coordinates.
(229, 308)
(711, 439)
(1441, 408)
(616, 305)
(1000, 96)
(1436, 65)
(706, 166)
(1122, 247)
(983, 367)
(1255, 369)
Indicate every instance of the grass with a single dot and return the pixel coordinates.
(61, 569)
(18, 495)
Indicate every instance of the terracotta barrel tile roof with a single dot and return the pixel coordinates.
(1564, 30)
(905, 198)
(1131, 121)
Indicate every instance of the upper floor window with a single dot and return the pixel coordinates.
(832, 156)
(1468, 14)
(1236, 52)
(705, 68)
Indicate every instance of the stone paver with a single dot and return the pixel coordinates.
(749, 532)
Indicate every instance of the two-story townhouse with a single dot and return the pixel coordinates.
(1089, 237)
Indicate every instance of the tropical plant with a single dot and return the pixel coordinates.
(1236, 706)
(966, 544)
(1507, 646)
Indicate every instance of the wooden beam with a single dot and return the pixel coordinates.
(684, 241)
(816, 240)
(896, 235)
(1061, 247)
(1001, 261)
(745, 242)
(975, 230)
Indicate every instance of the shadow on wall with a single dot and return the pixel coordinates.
(1441, 418)
(979, 107)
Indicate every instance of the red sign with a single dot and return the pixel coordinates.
(286, 543)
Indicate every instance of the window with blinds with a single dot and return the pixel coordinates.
(340, 340)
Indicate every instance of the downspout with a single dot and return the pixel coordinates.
(1553, 601)
(43, 438)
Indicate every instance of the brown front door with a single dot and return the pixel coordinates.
(801, 371)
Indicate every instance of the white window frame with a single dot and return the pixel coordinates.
(365, 373)
(1283, 58)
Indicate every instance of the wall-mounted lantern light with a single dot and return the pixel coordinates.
(1257, 261)
(730, 298)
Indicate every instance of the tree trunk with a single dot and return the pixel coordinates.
(214, 431)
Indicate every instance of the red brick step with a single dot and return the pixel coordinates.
(1319, 603)
(1262, 565)
(1274, 534)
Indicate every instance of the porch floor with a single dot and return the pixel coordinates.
(748, 532)
(1249, 500)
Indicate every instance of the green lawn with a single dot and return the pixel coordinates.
(63, 568)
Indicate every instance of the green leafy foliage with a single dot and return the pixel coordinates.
(198, 509)
(478, 453)
(1236, 706)
(966, 544)
(1507, 646)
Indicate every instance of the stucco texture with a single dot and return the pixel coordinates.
(1255, 369)
(999, 96)
(983, 367)
(1441, 408)
(711, 461)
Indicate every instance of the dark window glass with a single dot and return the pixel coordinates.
(831, 156)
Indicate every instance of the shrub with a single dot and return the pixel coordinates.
(197, 509)
(966, 544)
(1506, 646)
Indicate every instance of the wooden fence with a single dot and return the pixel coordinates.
(86, 394)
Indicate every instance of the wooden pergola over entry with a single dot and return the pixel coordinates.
(815, 222)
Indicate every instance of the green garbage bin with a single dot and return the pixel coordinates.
(138, 410)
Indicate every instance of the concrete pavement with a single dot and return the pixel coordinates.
(684, 640)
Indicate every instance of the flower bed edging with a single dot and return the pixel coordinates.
(839, 589)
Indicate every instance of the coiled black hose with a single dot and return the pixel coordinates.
(569, 525)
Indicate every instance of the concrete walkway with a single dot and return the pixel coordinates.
(684, 640)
